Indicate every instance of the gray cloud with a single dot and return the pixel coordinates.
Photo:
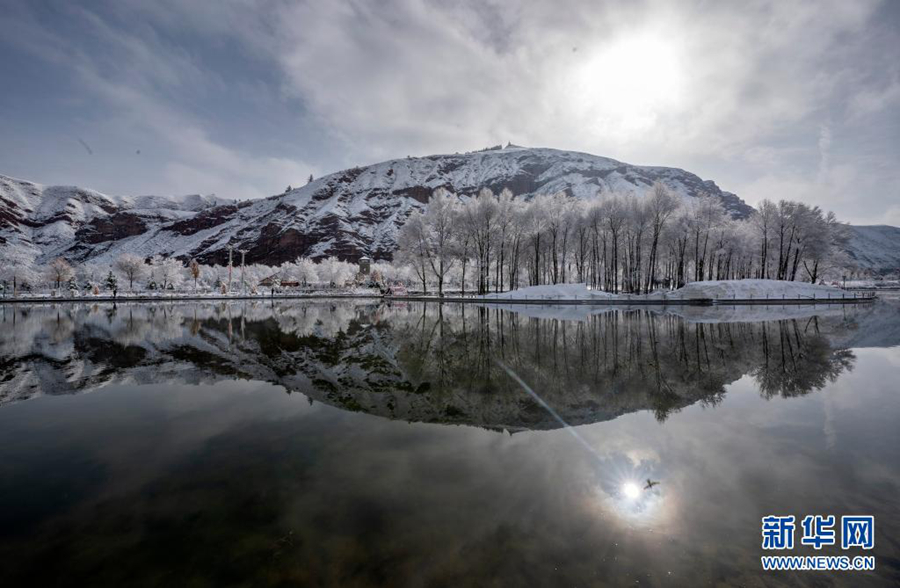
(770, 99)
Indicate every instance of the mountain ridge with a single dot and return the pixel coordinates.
(875, 247)
(349, 213)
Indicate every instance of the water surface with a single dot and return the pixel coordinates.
(357, 444)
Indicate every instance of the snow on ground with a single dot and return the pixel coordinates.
(169, 295)
(716, 289)
(753, 289)
(551, 292)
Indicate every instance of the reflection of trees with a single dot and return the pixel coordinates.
(612, 363)
(797, 361)
(420, 362)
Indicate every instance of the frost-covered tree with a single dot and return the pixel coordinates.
(18, 272)
(335, 272)
(439, 230)
(168, 272)
(304, 271)
(88, 275)
(764, 222)
(480, 215)
(412, 247)
(59, 272)
(620, 243)
(131, 267)
(661, 205)
(393, 273)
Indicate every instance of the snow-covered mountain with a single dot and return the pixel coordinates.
(875, 247)
(349, 213)
(41, 222)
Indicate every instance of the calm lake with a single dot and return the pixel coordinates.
(356, 443)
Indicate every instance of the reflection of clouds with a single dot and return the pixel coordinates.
(620, 486)
(454, 505)
(828, 427)
(428, 363)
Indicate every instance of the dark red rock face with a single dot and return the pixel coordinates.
(205, 219)
(111, 228)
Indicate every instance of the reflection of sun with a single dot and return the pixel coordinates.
(628, 83)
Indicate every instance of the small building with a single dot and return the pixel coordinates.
(269, 281)
(365, 266)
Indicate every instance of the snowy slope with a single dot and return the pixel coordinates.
(349, 213)
(41, 222)
(875, 247)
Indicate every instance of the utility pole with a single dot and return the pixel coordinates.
(229, 268)
(243, 282)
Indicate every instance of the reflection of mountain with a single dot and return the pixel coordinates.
(419, 362)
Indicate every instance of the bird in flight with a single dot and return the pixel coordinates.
(650, 484)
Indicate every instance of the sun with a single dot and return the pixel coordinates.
(631, 490)
(628, 83)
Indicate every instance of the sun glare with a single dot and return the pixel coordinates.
(631, 490)
(627, 84)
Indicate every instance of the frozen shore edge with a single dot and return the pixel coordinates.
(858, 298)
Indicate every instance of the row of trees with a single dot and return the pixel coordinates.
(619, 243)
(498, 242)
(134, 273)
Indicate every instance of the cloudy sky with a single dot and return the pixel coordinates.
(771, 99)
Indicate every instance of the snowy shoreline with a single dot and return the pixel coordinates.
(722, 292)
(188, 298)
(705, 292)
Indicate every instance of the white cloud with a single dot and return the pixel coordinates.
(711, 87)
(144, 81)
(701, 78)
(873, 100)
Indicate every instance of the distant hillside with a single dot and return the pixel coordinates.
(350, 213)
(875, 247)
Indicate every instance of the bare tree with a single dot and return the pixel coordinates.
(131, 267)
(195, 271)
(661, 205)
(60, 271)
(439, 228)
(412, 247)
(621, 243)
